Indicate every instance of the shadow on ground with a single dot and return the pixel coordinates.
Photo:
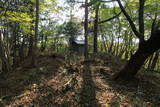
(140, 92)
(88, 93)
(22, 87)
(58, 83)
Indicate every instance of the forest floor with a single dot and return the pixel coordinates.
(58, 82)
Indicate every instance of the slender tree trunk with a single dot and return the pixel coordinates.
(122, 50)
(30, 49)
(155, 60)
(6, 66)
(86, 29)
(15, 35)
(114, 49)
(104, 42)
(111, 45)
(21, 50)
(150, 62)
(117, 50)
(36, 35)
(96, 29)
(119, 36)
(42, 42)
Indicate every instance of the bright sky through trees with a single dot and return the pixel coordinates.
(78, 10)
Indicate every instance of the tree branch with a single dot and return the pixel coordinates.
(110, 18)
(141, 17)
(132, 25)
(153, 26)
(107, 1)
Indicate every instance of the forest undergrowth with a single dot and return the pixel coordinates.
(58, 81)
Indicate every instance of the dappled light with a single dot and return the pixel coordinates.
(79, 53)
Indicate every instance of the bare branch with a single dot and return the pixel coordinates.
(109, 19)
(108, 1)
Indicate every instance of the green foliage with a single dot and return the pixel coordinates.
(23, 18)
(18, 16)
(49, 6)
(94, 3)
(71, 28)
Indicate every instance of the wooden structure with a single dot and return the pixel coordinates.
(77, 46)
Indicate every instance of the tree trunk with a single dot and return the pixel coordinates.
(150, 62)
(111, 45)
(146, 49)
(21, 50)
(15, 45)
(42, 42)
(104, 42)
(33, 63)
(86, 29)
(155, 60)
(30, 48)
(96, 29)
(133, 65)
(6, 66)
(31, 36)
